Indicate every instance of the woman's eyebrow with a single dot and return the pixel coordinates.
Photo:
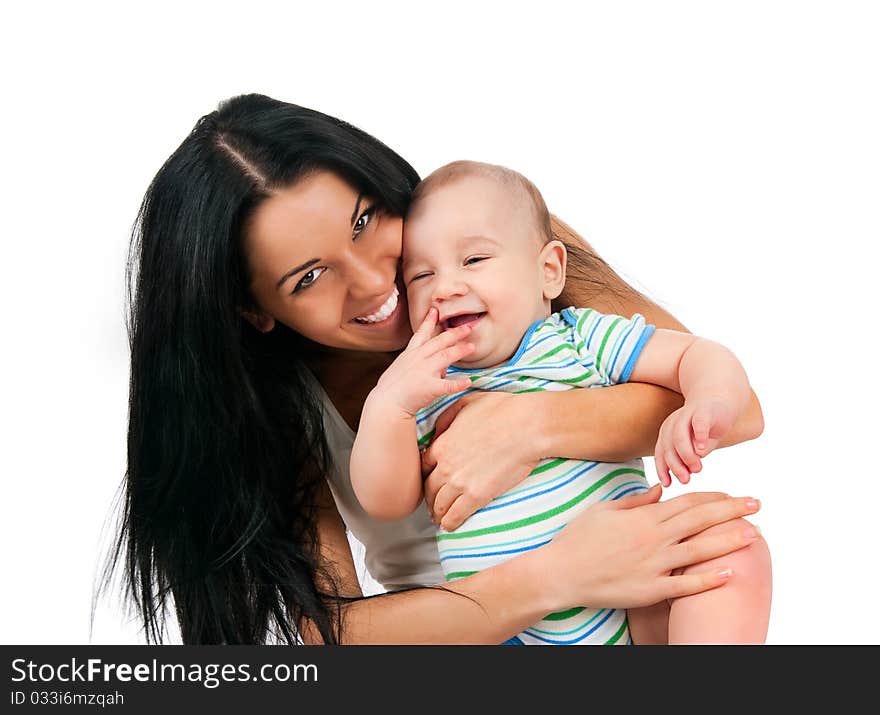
(294, 271)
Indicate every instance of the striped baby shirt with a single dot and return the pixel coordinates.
(570, 349)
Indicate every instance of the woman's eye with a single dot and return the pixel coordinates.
(474, 259)
(363, 220)
(308, 279)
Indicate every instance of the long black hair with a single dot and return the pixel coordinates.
(225, 443)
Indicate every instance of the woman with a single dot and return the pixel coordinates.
(266, 305)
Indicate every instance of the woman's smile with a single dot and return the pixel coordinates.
(383, 312)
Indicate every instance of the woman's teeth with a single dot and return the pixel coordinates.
(387, 309)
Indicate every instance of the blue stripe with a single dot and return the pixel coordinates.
(537, 494)
(629, 486)
(544, 483)
(443, 403)
(519, 351)
(637, 350)
(503, 543)
(573, 630)
(569, 317)
(592, 332)
(619, 344)
(497, 553)
(569, 642)
(629, 491)
(487, 388)
(529, 368)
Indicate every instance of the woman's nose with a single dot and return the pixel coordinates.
(368, 279)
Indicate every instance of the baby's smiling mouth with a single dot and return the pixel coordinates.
(461, 319)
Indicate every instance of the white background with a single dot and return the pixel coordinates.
(724, 157)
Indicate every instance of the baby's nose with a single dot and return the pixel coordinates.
(445, 289)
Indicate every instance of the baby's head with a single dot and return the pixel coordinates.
(477, 246)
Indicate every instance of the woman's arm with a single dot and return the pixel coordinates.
(622, 422)
(491, 606)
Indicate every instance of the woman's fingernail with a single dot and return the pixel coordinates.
(725, 573)
(753, 504)
(751, 533)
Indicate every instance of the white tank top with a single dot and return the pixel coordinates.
(398, 554)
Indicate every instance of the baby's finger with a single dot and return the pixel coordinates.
(701, 423)
(681, 441)
(425, 330)
(676, 466)
(711, 444)
(444, 358)
(662, 467)
(450, 387)
(446, 339)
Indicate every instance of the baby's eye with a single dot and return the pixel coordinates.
(474, 259)
(419, 276)
(309, 279)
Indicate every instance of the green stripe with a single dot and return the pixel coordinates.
(531, 389)
(458, 574)
(605, 340)
(425, 439)
(562, 615)
(543, 515)
(588, 373)
(583, 319)
(543, 468)
(580, 627)
(616, 636)
(562, 346)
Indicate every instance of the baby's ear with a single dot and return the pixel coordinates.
(553, 258)
(261, 321)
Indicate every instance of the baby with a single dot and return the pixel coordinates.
(480, 268)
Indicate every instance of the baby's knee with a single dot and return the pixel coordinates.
(750, 564)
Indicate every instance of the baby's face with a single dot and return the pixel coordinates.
(472, 250)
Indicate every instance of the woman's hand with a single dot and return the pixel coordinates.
(477, 454)
(621, 554)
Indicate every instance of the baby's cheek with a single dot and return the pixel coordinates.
(416, 312)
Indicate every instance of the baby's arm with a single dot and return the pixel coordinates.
(716, 391)
(385, 465)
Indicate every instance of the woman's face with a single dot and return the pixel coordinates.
(324, 262)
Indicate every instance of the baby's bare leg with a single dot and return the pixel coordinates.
(737, 612)
(649, 625)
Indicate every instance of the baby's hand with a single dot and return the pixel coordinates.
(417, 375)
(688, 434)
